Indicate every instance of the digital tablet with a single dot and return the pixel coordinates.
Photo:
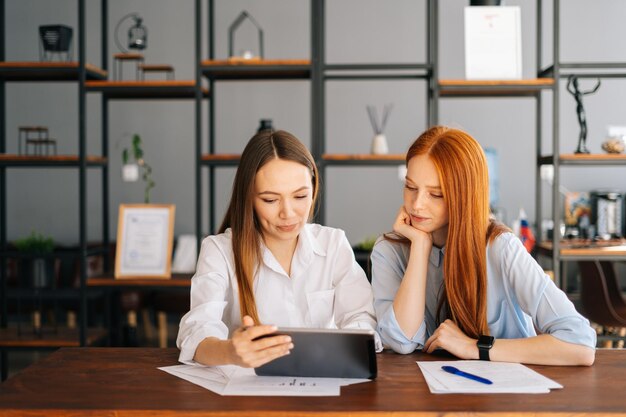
(326, 353)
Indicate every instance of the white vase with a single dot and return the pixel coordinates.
(130, 172)
(379, 145)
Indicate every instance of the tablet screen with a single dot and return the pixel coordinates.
(328, 353)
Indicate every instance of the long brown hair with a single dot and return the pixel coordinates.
(240, 217)
(462, 168)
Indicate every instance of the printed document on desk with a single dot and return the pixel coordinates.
(234, 380)
(507, 378)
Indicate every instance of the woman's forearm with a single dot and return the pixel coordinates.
(214, 352)
(541, 350)
(410, 300)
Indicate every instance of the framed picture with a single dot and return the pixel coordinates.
(144, 241)
(493, 43)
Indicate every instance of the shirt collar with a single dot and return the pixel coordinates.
(306, 247)
(436, 256)
(309, 243)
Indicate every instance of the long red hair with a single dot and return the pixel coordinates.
(462, 168)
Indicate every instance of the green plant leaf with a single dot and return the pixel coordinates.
(35, 243)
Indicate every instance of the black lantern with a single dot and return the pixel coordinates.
(247, 54)
(137, 34)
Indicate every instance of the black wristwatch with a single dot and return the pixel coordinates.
(484, 344)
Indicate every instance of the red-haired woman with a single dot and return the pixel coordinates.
(452, 278)
(269, 265)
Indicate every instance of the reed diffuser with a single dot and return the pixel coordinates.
(379, 143)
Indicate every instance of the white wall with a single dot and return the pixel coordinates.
(363, 201)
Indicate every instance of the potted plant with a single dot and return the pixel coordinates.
(130, 170)
(37, 266)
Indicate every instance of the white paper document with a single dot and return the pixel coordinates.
(493, 42)
(507, 378)
(234, 380)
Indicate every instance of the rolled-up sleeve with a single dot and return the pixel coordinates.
(353, 307)
(388, 267)
(208, 299)
(552, 312)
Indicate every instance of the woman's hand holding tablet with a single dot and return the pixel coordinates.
(253, 346)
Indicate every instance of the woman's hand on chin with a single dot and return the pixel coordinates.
(403, 227)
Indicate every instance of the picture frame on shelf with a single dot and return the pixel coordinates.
(144, 241)
(493, 43)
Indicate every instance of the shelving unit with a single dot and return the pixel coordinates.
(318, 72)
(75, 72)
(557, 250)
(374, 72)
(220, 70)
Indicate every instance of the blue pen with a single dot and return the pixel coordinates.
(457, 371)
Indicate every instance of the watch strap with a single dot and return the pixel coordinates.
(483, 353)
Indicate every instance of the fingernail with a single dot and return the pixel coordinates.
(287, 339)
(291, 346)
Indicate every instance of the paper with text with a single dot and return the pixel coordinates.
(234, 380)
(512, 378)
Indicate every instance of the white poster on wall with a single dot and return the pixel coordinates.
(493, 43)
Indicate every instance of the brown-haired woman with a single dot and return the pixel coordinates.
(456, 280)
(269, 265)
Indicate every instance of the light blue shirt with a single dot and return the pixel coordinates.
(520, 296)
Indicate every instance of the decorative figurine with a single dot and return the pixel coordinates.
(55, 39)
(613, 145)
(246, 54)
(379, 143)
(136, 39)
(38, 137)
(572, 87)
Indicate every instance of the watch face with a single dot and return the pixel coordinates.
(486, 341)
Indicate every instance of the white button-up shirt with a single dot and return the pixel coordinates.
(326, 289)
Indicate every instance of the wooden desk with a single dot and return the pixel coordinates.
(125, 382)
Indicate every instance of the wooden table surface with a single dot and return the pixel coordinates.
(125, 382)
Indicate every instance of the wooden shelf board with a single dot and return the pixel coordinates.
(60, 160)
(363, 157)
(163, 89)
(177, 280)
(63, 337)
(585, 159)
(257, 69)
(363, 160)
(612, 248)
(460, 87)
(593, 157)
(47, 71)
(255, 62)
(225, 159)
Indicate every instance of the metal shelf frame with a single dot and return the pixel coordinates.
(318, 73)
(560, 71)
(81, 162)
